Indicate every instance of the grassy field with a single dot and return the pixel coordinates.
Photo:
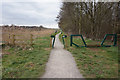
(30, 62)
(22, 36)
(94, 62)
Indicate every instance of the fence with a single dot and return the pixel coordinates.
(115, 40)
(115, 36)
(18, 40)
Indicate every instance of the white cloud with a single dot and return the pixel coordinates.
(30, 13)
(31, 0)
(59, 0)
(50, 25)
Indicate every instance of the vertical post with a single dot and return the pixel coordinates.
(50, 42)
(53, 42)
(115, 39)
(31, 40)
(83, 41)
(71, 40)
(13, 39)
(65, 42)
(9, 40)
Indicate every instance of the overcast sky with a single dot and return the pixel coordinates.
(30, 12)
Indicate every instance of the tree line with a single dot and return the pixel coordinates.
(91, 19)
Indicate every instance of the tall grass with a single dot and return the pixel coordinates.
(23, 37)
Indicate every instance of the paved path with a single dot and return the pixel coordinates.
(61, 63)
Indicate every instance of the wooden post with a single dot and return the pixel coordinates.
(31, 40)
(8, 39)
(13, 39)
(66, 42)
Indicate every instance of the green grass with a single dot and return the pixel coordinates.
(26, 63)
(97, 62)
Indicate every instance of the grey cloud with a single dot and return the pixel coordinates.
(29, 13)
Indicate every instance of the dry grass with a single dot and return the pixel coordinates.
(23, 35)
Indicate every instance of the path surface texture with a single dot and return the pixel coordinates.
(61, 63)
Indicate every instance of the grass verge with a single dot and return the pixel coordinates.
(26, 63)
(97, 62)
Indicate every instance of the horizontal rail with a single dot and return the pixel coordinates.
(14, 39)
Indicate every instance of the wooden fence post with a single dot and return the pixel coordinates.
(31, 40)
(9, 39)
(13, 39)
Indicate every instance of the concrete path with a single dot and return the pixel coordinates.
(61, 63)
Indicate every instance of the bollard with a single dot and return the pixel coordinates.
(64, 41)
(53, 41)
